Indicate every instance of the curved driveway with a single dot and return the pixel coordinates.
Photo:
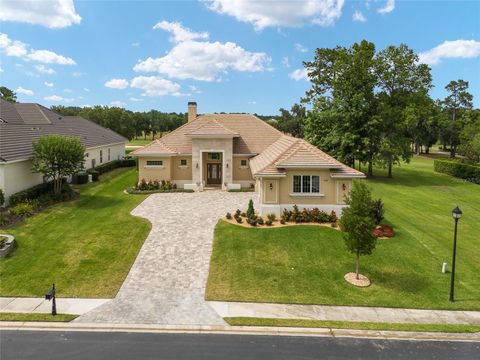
(166, 284)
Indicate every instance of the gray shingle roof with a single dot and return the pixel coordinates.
(25, 123)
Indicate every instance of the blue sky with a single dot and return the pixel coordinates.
(232, 56)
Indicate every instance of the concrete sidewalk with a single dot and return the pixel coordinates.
(39, 305)
(344, 313)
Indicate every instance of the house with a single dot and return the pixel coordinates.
(230, 151)
(21, 124)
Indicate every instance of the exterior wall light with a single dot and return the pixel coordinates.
(271, 186)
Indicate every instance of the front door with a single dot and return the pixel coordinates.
(214, 173)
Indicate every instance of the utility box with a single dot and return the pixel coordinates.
(444, 267)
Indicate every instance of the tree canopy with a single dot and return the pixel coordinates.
(57, 156)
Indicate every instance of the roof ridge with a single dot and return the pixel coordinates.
(285, 137)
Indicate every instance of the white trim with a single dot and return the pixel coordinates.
(306, 195)
(154, 167)
(183, 166)
(266, 176)
(153, 155)
(245, 154)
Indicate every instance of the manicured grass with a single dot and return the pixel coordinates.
(140, 142)
(306, 264)
(452, 328)
(86, 247)
(36, 317)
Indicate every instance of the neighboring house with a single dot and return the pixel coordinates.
(21, 124)
(240, 150)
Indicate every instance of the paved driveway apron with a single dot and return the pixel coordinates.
(166, 284)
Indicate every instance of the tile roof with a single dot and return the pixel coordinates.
(297, 153)
(212, 127)
(254, 135)
(25, 123)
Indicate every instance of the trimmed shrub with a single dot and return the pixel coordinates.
(239, 219)
(378, 211)
(228, 216)
(238, 212)
(260, 221)
(2, 197)
(102, 169)
(35, 192)
(282, 221)
(23, 209)
(457, 169)
(271, 217)
(95, 174)
(251, 209)
(268, 222)
(80, 178)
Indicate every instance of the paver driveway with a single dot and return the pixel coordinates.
(166, 284)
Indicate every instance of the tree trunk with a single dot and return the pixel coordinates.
(427, 150)
(357, 264)
(452, 151)
(390, 165)
(370, 168)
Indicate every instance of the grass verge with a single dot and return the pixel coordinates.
(36, 317)
(452, 328)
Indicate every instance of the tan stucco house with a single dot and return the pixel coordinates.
(21, 124)
(230, 151)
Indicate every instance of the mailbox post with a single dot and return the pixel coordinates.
(51, 296)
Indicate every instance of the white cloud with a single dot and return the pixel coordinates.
(44, 70)
(300, 48)
(117, 103)
(264, 14)
(49, 57)
(57, 98)
(451, 49)
(1, 69)
(285, 61)
(135, 99)
(179, 32)
(136, 44)
(52, 14)
(155, 86)
(253, 102)
(204, 61)
(117, 84)
(23, 91)
(194, 89)
(298, 74)
(86, 89)
(19, 49)
(77, 74)
(389, 7)
(48, 84)
(358, 16)
(12, 47)
(67, 90)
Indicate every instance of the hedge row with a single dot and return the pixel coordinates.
(131, 190)
(457, 169)
(102, 169)
(34, 192)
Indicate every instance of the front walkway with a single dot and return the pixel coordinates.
(344, 313)
(166, 284)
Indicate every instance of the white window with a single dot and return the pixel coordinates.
(183, 162)
(101, 156)
(243, 163)
(154, 162)
(306, 184)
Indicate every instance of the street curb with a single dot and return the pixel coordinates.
(239, 330)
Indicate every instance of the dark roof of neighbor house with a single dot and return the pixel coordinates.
(21, 124)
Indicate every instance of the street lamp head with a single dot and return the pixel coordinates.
(456, 213)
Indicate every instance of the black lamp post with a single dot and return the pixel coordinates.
(51, 296)
(456, 214)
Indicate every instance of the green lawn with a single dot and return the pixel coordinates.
(86, 247)
(306, 264)
(36, 317)
(357, 325)
(137, 142)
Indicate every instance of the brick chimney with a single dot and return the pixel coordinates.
(192, 111)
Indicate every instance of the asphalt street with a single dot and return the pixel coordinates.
(48, 345)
